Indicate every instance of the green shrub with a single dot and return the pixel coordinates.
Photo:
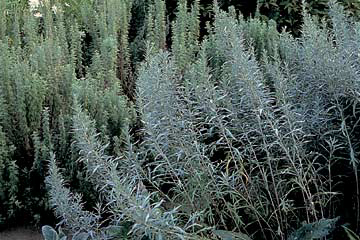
(288, 13)
(43, 57)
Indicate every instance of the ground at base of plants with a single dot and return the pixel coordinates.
(21, 233)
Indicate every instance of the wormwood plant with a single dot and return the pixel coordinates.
(329, 98)
(253, 142)
(122, 190)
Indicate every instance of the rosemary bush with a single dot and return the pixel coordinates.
(46, 58)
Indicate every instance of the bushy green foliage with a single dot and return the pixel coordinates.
(156, 26)
(287, 13)
(43, 54)
(185, 33)
(8, 179)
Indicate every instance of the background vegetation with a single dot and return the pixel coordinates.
(153, 119)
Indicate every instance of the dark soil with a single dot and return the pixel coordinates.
(21, 234)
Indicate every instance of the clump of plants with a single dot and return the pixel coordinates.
(244, 133)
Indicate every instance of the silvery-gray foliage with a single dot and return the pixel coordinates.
(122, 192)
